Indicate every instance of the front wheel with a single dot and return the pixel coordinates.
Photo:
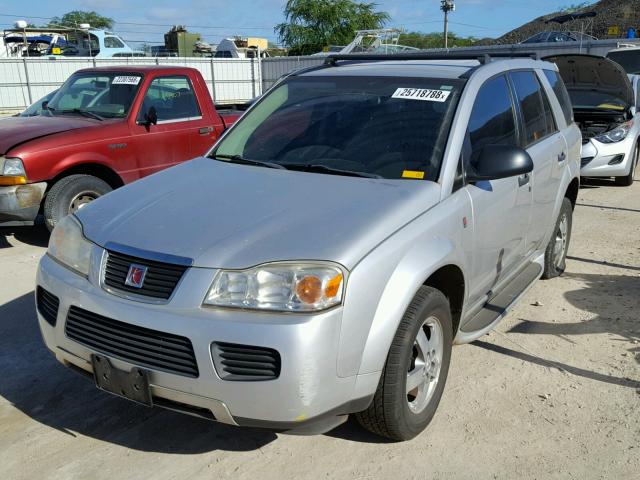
(556, 254)
(70, 194)
(416, 370)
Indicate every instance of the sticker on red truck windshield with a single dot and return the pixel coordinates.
(425, 94)
(126, 80)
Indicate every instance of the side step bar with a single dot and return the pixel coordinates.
(498, 306)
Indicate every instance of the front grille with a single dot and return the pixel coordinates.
(137, 345)
(585, 161)
(47, 304)
(244, 362)
(159, 282)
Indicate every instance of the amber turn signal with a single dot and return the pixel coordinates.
(333, 286)
(309, 289)
(9, 181)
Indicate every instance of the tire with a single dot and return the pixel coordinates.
(394, 413)
(627, 180)
(555, 255)
(70, 194)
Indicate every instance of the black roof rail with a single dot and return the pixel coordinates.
(481, 57)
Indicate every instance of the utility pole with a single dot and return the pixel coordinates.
(447, 6)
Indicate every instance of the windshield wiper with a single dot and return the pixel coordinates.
(245, 161)
(84, 113)
(306, 167)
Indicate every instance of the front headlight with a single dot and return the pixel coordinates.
(69, 247)
(617, 134)
(285, 287)
(12, 172)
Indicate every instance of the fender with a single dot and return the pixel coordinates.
(381, 286)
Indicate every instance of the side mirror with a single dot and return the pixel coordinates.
(44, 105)
(500, 161)
(151, 116)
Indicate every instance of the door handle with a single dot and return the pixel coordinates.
(205, 130)
(562, 157)
(523, 179)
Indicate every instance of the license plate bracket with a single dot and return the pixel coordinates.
(132, 385)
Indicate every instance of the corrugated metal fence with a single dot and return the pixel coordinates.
(230, 80)
(25, 80)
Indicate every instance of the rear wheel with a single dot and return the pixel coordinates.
(416, 370)
(627, 180)
(70, 194)
(556, 254)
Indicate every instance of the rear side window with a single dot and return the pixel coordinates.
(173, 99)
(529, 97)
(561, 92)
(492, 119)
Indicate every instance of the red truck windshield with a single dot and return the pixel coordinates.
(386, 127)
(102, 95)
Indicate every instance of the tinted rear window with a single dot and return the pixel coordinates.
(560, 90)
(528, 94)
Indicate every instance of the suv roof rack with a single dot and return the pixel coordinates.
(483, 58)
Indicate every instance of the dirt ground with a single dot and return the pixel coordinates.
(554, 392)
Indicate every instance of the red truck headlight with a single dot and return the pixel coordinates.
(12, 172)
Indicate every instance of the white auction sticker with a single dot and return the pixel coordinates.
(426, 94)
(126, 80)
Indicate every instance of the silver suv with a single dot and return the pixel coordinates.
(360, 219)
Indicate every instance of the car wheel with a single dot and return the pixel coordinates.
(70, 194)
(555, 255)
(416, 370)
(627, 180)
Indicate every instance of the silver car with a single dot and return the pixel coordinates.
(605, 105)
(361, 218)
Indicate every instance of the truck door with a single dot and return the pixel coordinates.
(501, 208)
(180, 119)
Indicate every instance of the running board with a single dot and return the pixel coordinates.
(496, 308)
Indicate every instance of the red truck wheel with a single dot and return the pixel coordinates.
(70, 194)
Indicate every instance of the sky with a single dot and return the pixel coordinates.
(146, 21)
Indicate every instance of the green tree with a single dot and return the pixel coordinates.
(76, 17)
(311, 25)
(434, 40)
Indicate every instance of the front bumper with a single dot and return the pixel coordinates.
(19, 205)
(307, 389)
(596, 158)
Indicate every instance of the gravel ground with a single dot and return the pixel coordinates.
(553, 392)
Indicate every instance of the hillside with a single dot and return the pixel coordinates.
(611, 13)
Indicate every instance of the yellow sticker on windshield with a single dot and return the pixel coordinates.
(412, 174)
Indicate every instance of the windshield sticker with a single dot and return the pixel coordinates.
(412, 174)
(425, 94)
(126, 80)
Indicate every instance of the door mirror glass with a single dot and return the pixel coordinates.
(151, 116)
(499, 161)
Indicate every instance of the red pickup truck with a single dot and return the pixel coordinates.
(104, 128)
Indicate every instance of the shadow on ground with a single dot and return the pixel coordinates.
(599, 295)
(37, 235)
(37, 385)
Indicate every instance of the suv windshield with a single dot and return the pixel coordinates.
(99, 95)
(387, 127)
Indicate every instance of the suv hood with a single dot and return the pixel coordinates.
(225, 215)
(590, 72)
(17, 130)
